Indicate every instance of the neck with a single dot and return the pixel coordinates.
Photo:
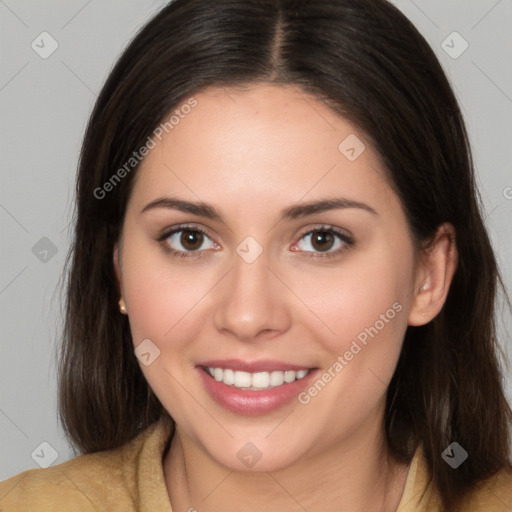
(357, 474)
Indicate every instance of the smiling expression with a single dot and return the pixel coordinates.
(253, 253)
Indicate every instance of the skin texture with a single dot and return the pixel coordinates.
(251, 153)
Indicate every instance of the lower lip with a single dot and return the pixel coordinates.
(252, 403)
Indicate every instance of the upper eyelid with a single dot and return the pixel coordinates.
(327, 227)
(181, 227)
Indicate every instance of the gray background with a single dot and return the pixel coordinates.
(44, 106)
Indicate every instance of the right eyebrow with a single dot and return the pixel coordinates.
(200, 209)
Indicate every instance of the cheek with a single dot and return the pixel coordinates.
(363, 295)
(164, 304)
(364, 306)
(161, 297)
(363, 310)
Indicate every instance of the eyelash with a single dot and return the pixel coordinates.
(348, 243)
(346, 240)
(177, 229)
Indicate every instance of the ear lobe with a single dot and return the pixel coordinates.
(435, 272)
(117, 270)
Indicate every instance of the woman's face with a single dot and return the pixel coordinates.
(294, 257)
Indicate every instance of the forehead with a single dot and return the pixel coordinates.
(265, 145)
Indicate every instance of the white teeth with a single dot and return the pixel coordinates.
(243, 380)
(277, 378)
(229, 377)
(289, 376)
(255, 381)
(261, 380)
(301, 373)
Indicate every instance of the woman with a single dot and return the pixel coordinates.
(281, 290)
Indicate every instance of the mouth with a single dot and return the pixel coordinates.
(254, 388)
(254, 381)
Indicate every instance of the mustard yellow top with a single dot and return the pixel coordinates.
(131, 479)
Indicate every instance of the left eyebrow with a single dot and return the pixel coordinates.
(305, 209)
(296, 211)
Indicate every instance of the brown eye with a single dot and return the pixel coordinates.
(183, 240)
(191, 240)
(322, 240)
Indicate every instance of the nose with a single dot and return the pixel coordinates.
(252, 302)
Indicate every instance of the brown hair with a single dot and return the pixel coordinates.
(369, 63)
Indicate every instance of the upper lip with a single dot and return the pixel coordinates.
(264, 365)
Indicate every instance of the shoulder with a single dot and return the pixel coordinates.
(104, 480)
(78, 484)
(43, 489)
(421, 495)
(491, 495)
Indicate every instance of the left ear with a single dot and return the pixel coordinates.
(117, 270)
(434, 274)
